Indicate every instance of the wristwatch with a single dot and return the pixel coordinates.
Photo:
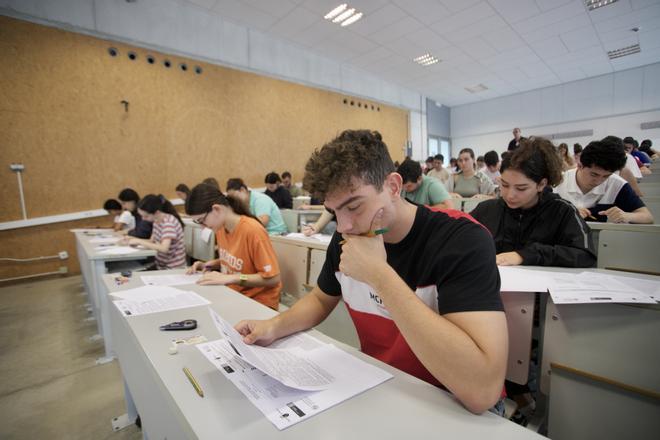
(242, 279)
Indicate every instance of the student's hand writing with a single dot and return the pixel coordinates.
(257, 332)
(363, 257)
(308, 230)
(615, 215)
(508, 259)
(216, 278)
(584, 212)
(197, 266)
(455, 196)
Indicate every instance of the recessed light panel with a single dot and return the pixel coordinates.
(343, 15)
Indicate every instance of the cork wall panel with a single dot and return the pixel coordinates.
(61, 114)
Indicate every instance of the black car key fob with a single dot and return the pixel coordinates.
(188, 324)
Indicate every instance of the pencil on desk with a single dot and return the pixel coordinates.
(369, 234)
(193, 381)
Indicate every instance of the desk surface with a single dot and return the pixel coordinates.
(403, 407)
(94, 254)
(600, 226)
(309, 242)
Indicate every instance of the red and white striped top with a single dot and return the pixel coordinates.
(169, 227)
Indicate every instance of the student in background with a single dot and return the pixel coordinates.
(567, 161)
(211, 181)
(595, 189)
(247, 261)
(182, 191)
(469, 182)
(429, 165)
(123, 220)
(421, 189)
(453, 165)
(259, 204)
(492, 169)
(129, 200)
(515, 142)
(167, 236)
(439, 171)
(424, 295)
(530, 224)
(577, 150)
(326, 224)
(287, 183)
(277, 192)
(481, 165)
(643, 159)
(647, 147)
(631, 162)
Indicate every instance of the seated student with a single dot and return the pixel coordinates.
(643, 159)
(631, 162)
(277, 192)
(247, 261)
(647, 147)
(424, 295)
(287, 183)
(211, 181)
(439, 171)
(530, 224)
(325, 224)
(481, 164)
(167, 236)
(453, 166)
(428, 165)
(469, 182)
(597, 192)
(577, 150)
(182, 191)
(492, 169)
(124, 220)
(421, 189)
(567, 161)
(129, 200)
(260, 205)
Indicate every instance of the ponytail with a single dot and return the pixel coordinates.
(152, 203)
(203, 197)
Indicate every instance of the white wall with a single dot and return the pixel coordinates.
(613, 104)
(187, 30)
(418, 132)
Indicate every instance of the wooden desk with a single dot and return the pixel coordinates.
(403, 407)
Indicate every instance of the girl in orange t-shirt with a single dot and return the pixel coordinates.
(247, 261)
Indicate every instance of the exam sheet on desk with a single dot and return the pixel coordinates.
(154, 299)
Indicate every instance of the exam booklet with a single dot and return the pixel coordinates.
(297, 377)
(152, 299)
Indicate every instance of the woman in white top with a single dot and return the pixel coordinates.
(469, 182)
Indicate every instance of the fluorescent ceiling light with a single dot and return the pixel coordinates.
(624, 51)
(352, 19)
(344, 15)
(338, 10)
(426, 60)
(476, 89)
(595, 4)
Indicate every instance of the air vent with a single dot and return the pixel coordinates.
(568, 134)
(650, 125)
(624, 51)
(595, 4)
(476, 89)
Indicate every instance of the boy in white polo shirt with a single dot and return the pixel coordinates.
(598, 193)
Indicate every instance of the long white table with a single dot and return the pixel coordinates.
(93, 267)
(403, 407)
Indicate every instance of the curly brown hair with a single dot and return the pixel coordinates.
(536, 158)
(354, 153)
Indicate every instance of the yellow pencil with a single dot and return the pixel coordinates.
(369, 234)
(193, 381)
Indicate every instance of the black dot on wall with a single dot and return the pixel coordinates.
(372, 107)
(352, 103)
(378, 108)
(360, 104)
(183, 66)
(198, 70)
(132, 56)
(113, 52)
(345, 101)
(167, 63)
(150, 59)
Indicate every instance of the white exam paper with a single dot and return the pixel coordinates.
(323, 238)
(591, 287)
(519, 279)
(170, 280)
(119, 250)
(152, 299)
(105, 239)
(291, 365)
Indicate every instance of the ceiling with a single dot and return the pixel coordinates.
(509, 46)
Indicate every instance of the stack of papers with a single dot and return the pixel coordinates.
(153, 299)
(592, 287)
(293, 379)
